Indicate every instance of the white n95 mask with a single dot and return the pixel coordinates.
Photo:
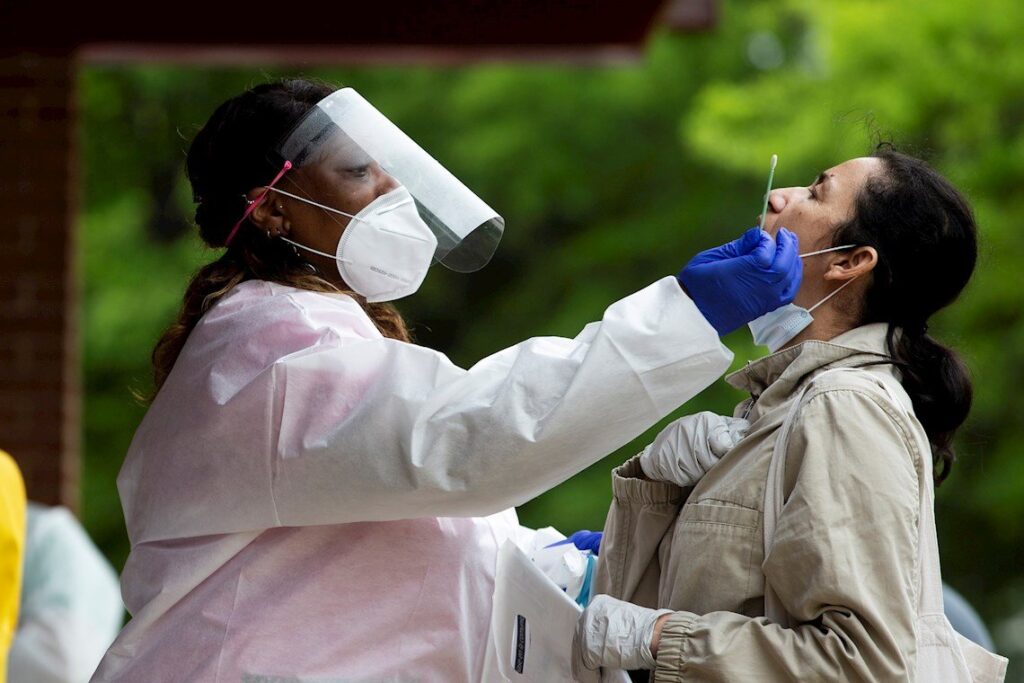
(776, 328)
(386, 249)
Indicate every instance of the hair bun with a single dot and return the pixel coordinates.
(216, 215)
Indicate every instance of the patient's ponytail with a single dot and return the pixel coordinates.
(925, 236)
(940, 386)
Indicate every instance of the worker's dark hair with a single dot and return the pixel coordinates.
(924, 232)
(232, 154)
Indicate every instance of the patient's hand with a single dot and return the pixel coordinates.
(686, 449)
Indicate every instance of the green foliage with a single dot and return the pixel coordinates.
(610, 177)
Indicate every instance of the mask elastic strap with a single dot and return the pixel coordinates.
(256, 202)
(310, 201)
(845, 284)
(310, 249)
(825, 251)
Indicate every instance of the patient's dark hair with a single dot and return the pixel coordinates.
(925, 235)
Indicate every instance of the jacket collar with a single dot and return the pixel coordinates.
(775, 377)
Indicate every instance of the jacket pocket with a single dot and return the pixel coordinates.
(719, 512)
(712, 565)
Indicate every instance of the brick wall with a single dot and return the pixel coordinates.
(39, 367)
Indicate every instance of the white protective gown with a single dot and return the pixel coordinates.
(309, 501)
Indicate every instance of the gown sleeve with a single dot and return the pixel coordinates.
(350, 426)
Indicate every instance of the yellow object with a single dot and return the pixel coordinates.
(12, 546)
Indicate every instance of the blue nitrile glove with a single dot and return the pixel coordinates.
(583, 540)
(587, 540)
(744, 279)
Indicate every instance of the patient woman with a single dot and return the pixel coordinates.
(844, 560)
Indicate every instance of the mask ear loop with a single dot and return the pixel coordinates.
(826, 251)
(842, 286)
(310, 201)
(322, 206)
(253, 203)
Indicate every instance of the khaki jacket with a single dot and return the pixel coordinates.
(844, 561)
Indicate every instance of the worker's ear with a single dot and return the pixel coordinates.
(269, 214)
(846, 265)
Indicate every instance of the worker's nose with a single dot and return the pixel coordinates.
(384, 182)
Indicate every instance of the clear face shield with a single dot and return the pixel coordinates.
(348, 133)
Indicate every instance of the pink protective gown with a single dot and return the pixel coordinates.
(309, 501)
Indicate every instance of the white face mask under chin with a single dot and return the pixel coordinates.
(386, 249)
(776, 328)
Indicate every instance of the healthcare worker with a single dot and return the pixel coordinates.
(12, 545)
(70, 603)
(311, 496)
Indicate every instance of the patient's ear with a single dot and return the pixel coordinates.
(847, 265)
